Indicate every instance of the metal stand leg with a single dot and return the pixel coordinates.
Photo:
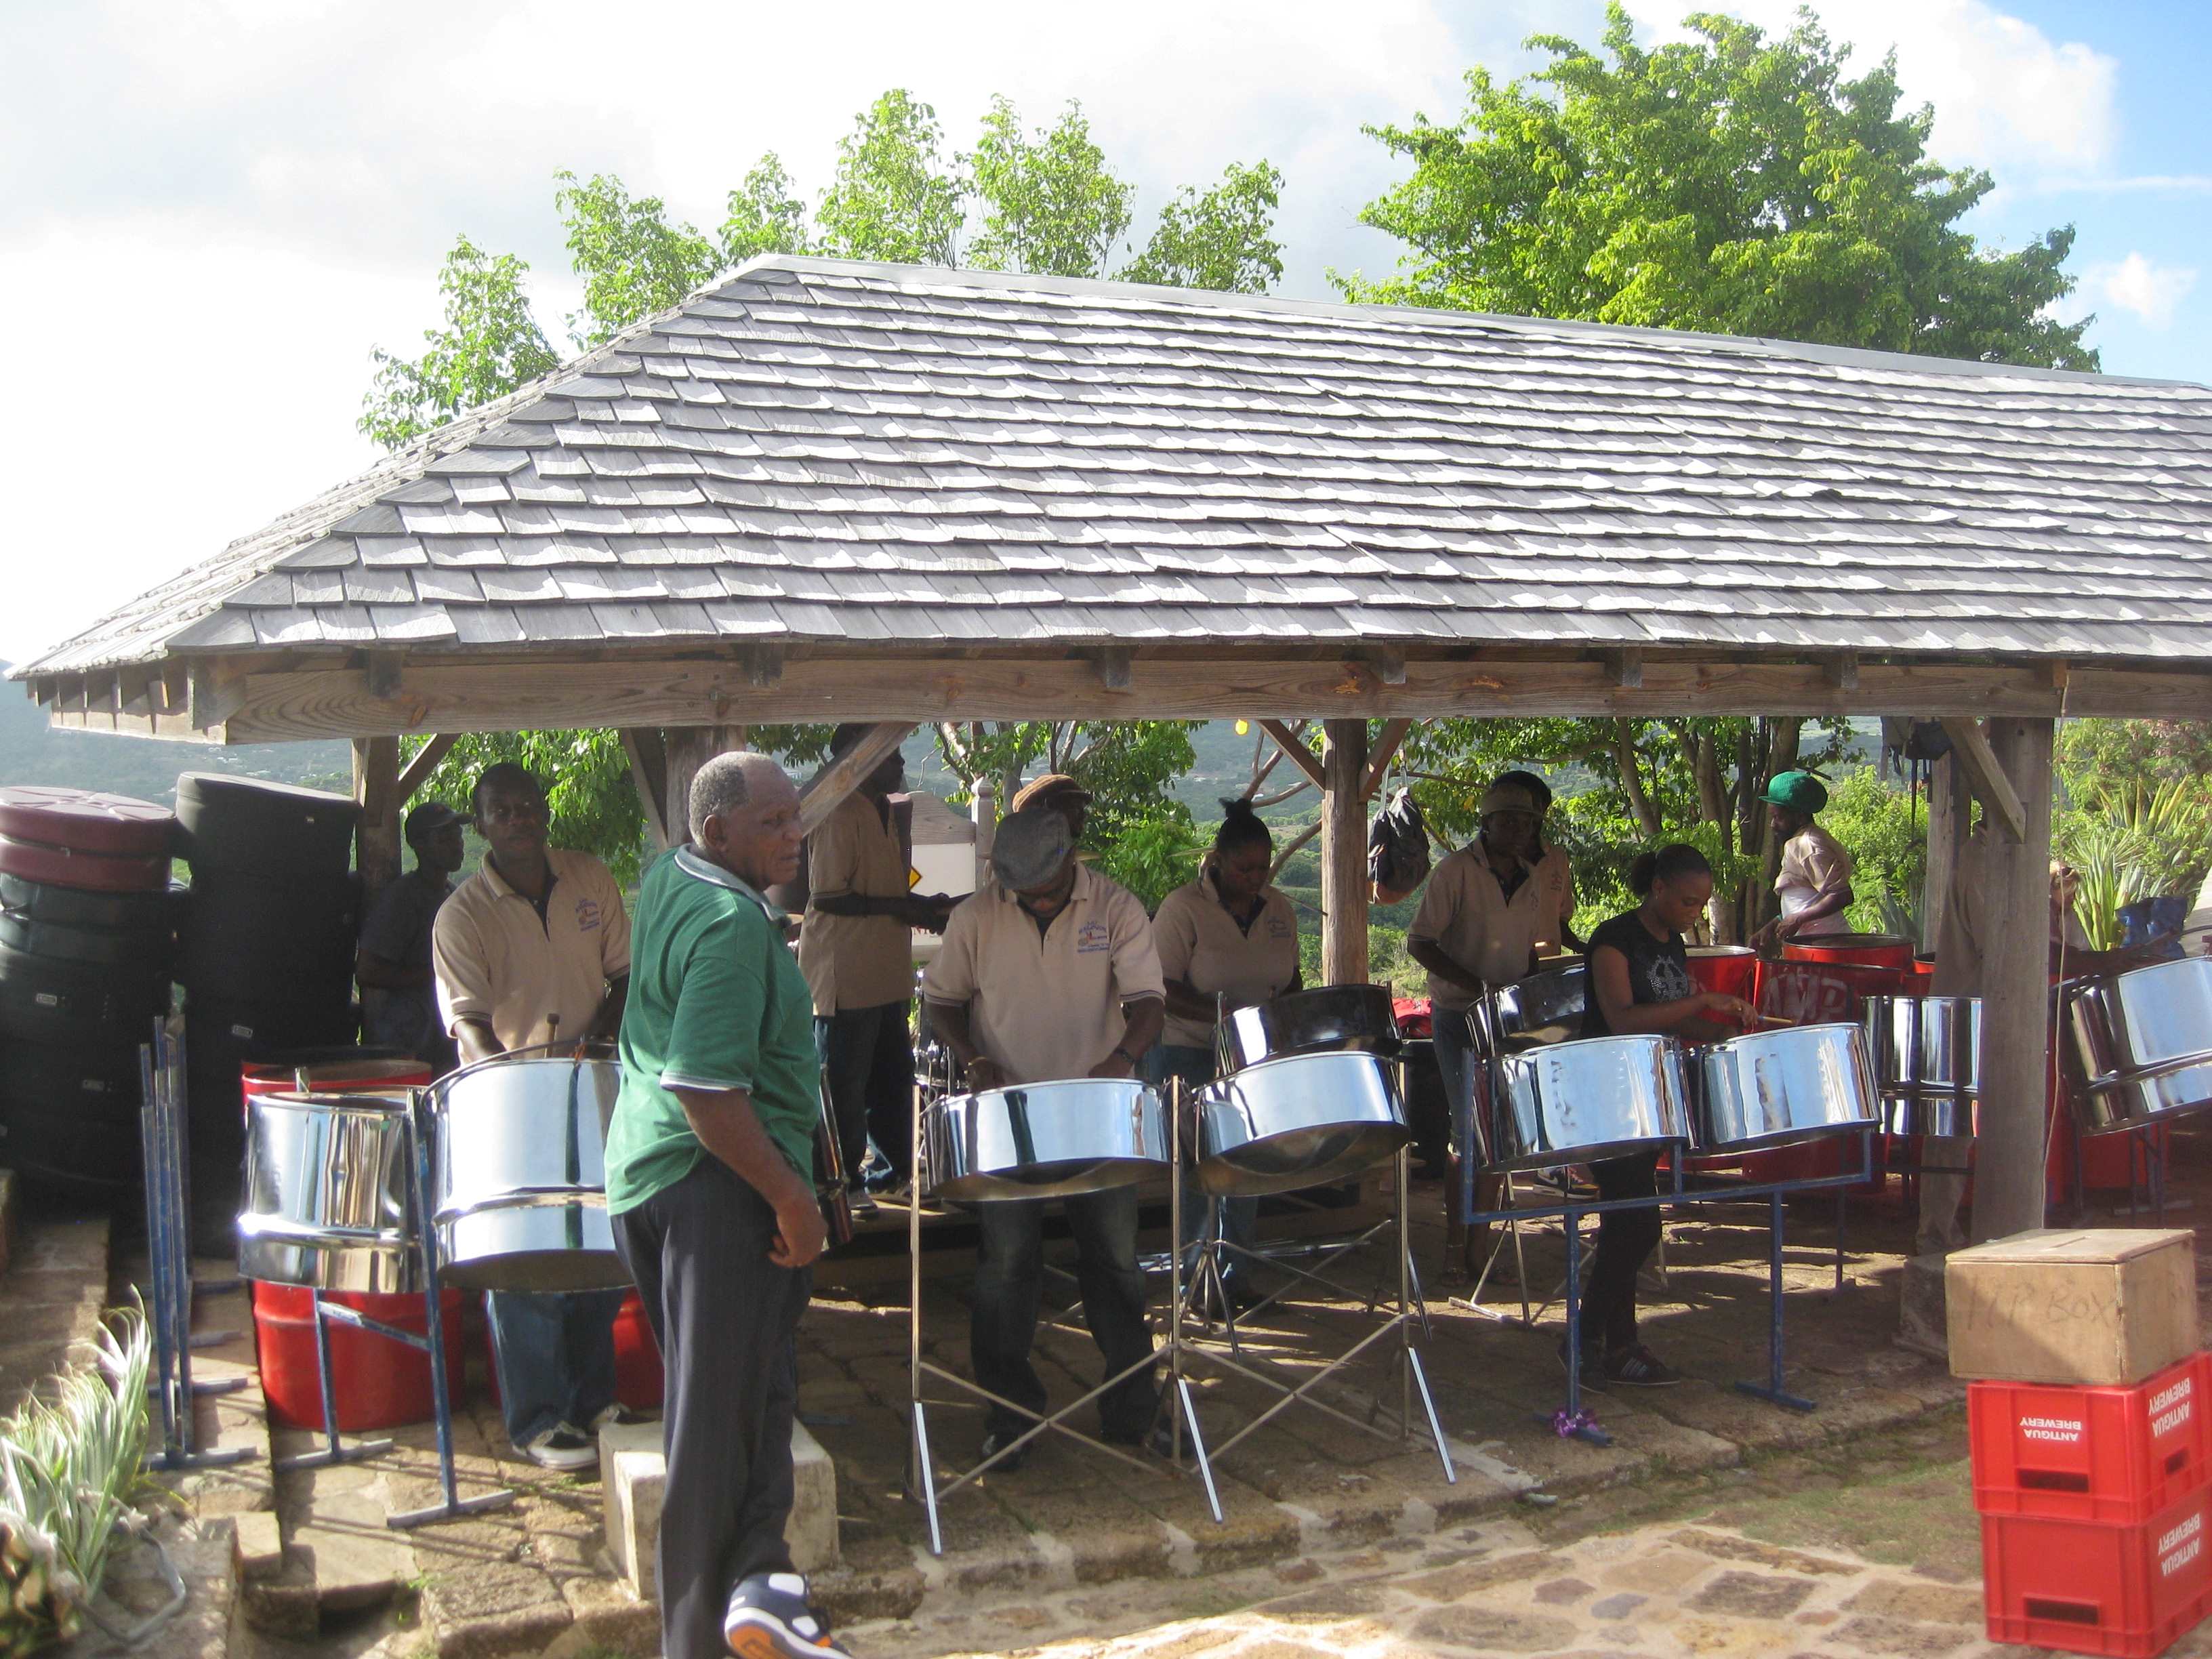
(1772, 1390)
(1577, 1430)
(452, 1505)
(1415, 1379)
(334, 1450)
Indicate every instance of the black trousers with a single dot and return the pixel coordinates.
(725, 1316)
(869, 1052)
(1624, 1238)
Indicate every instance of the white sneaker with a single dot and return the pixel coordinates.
(769, 1617)
(564, 1446)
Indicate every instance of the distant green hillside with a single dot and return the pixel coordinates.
(31, 751)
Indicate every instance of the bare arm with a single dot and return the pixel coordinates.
(926, 911)
(950, 1022)
(729, 1127)
(1431, 956)
(1184, 1002)
(477, 1041)
(1141, 1029)
(606, 1020)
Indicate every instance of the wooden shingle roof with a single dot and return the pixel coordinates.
(816, 451)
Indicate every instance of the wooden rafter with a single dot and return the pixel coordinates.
(1986, 777)
(1293, 749)
(841, 776)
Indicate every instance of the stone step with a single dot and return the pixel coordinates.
(634, 1474)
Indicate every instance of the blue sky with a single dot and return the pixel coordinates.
(211, 209)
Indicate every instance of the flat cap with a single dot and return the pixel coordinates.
(1030, 848)
(1053, 786)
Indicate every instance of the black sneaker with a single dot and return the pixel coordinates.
(770, 1618)
(1640, 1368)
(1593, 1378)
(861, 1202)
(998, 1440)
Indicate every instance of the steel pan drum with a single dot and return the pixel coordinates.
(1328, 1018)
(1575, 1103)
(329, 1194)
(1043, 1139)
(1777, 1088)
(1302, 1121)
(1544, 1008)
(519, 1174)
(2143, 1043)
(1732, 968)
(1926, 1054)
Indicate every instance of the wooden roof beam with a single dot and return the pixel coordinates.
(1295, 751)
(1986, 777)
(831, 785)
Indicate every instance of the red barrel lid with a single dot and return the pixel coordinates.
(70, 866)
(83, 820)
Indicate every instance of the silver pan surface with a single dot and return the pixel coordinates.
(2141, 1044)
(520, 1174)
(1543, 1008)
(1576, 1102)
(1302, 1121)
(1322, 1020)
(1926, 1056)
(329, 1194)
(1776, 1088)
(1043, 1140)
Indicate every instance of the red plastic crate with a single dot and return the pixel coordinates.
(2092, 1454)
(2091, 1587)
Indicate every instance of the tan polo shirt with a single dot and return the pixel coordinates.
(1465, 914)
(1201, 944)
(855, 962)
(1050, 1007)
(494, 960)
(1814, 865)
(1553, 867)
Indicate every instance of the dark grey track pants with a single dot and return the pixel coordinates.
(724, 1316)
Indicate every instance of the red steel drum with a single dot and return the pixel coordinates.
(335, 1072)
(1732, 969)
(378, 1383)
(96, 873)
(1890, 951)
(85, 822)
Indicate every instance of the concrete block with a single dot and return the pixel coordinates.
(633, 1476)
(257, 1545)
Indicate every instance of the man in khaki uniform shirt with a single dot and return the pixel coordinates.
(1049, 973)
(856, 949)
(1483, 911)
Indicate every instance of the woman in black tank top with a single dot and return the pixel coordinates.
(1640, 983)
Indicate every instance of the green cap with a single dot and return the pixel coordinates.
(1800, 791)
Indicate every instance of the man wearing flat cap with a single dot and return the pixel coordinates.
(1481, 916)
(1049, 973)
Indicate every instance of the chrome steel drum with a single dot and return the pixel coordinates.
(1926, 1056)
(1302, 1121)
(1775, 1088)
(1043, 1139)
(329, 1194)
(520, 1174)
(2143, 1043)
(1543, 1008)
(1329, 1018)
(1575, 1103)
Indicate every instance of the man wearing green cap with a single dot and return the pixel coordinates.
(1815, 882)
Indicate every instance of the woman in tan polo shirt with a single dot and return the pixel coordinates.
(1230, 936)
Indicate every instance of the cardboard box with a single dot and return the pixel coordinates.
(2084, 1306)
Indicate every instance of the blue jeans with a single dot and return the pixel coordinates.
(869, 1052)
(1238, 1222)
(1456, 1064)
(555, 1358)
(1009, 1282)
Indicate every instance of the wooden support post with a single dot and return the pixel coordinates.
(1294, 749)
(983, 813)
(833, 782)
(1971, 753)
(376, 788)
(1949, 812)
(2015, 1053)
(649, 775)
(1343, 853)
(685, 750)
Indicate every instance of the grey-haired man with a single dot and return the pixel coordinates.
(1050, 973)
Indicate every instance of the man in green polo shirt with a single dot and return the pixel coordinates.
(714, 1211)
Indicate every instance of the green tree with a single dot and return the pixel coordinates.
(489, 345)
(635, 261)
(1734, 183)
(764, 217)
(1051, 205)
(894, 198)
(1221, 239)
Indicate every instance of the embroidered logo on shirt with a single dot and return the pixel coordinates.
(1092, 936)
(1281, 928)
(587, 914)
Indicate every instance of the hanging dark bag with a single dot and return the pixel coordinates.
(1397, 848)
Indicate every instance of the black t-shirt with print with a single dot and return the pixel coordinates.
(1658, 969)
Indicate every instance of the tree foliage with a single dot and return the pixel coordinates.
(1735, 182)
(489, 345)
(1051, 205)
(895, 196)
(1220, 239)
(764, 217)
(635, 261)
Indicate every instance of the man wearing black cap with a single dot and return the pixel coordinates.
(857, 952)
(1051, 972)
(400, 1000)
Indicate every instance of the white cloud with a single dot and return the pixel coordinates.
(2148, 290)
(2007, 96)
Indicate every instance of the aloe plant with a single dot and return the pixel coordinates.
(71, 1470)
